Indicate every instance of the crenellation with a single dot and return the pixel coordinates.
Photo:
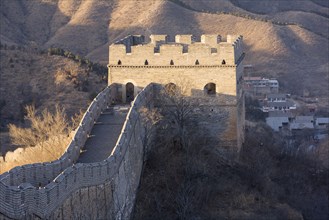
(230, 38)
(184, 39)
(226, 53)
(142, 53)
(170, 51)
(131, 40)
(118, 51)
(199, 49)
(159, 38)
(160, 52)
(211, 39)
(142, 49)
(236, 41)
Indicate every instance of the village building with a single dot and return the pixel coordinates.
(321, 123)
(277, 102)
(259, 86)
(278, 120)
(302, 122)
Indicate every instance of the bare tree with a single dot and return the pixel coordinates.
(176, 104)
(175, 165)
(150, 118)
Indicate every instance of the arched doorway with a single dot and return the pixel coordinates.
(130, 89)
(210, 89)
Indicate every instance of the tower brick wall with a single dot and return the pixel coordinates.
(212, 60)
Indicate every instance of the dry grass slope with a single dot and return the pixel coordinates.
(49, 150)
(30, 77)
(47, 136)
(87, 27)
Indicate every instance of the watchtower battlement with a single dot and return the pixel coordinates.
(211, 50)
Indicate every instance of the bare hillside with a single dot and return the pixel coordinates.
(272, 6)
(298, 51)
(30, 77)
(259, 7)
(312, 15)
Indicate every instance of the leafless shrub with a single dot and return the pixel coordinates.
(75, 120)
(42, 127)
(184, 201)
(322, 153)
(150, 116)
(176, 104)
(243, 201)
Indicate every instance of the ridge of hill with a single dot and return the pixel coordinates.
(88, 27)
(308, 15)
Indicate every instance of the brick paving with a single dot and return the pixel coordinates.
(104, 135)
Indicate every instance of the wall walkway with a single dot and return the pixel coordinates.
(104, 134)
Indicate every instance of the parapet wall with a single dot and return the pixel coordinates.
(40, 173)
(130, 40)
(21, 198)
(185, 51)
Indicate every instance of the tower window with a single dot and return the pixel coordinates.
(223, 62)
(146, 63)
(171, 62)
(119, 62)
(197, 62)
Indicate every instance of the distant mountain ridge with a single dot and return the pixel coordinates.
(88, 27)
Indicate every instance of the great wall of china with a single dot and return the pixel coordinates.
(68, 189)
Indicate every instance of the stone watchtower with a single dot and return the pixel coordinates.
(213, 65)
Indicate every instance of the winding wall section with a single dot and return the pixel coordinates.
(40, 190)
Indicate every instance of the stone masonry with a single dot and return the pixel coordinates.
(211, 67)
